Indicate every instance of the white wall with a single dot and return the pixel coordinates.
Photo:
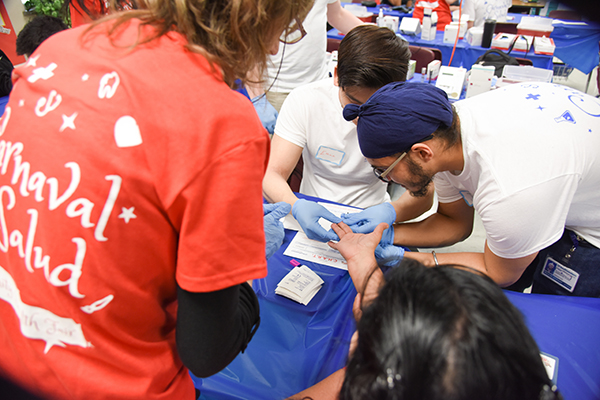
(15, 10)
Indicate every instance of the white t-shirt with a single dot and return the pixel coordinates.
(480, 10)
(334, 168)
(532, 166)
(306, 61)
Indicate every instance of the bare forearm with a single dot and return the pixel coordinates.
(409, 207)
(434, 231)
(503, 271)
(276, 189)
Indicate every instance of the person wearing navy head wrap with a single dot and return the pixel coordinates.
(492, 161)
(399, 115)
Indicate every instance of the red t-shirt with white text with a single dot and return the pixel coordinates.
(122, 172)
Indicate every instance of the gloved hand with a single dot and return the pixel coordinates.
(307, 213)
(367, 220)
(266, 112)
(388, 237)
(274, 232)
(388, 255)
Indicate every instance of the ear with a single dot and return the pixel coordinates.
(422, 151)
(335, 77)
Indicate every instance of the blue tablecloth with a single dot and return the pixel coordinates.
(576, 44)
(465, 55)
(3, 101)
(297, 346)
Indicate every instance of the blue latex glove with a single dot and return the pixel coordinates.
(274, 232)
(367, 220)
(266, 112)
(307, 213)
(387, 238)
(388, 255)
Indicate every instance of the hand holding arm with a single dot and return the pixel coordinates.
(274, 232)
(308, 213)
(266, 112)
(367, 220)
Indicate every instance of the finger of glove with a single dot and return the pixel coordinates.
(355, 218)
(268, 207)
(281, 210)
(316, 232)
(363, 228)
(388, 236)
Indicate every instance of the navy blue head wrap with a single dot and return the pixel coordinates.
(397, 116)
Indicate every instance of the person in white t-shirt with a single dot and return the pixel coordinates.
(311, 125)
(480, 10)
(306, 61)
(525, 157)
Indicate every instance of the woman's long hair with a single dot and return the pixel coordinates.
(234, 35)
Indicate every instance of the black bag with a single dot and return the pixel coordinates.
(497, 59)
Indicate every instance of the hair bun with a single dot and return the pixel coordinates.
(351, 112)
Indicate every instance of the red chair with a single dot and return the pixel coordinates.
(296, 176)
(422, 55)
(524, 61)
(333, 44)
(565, 14)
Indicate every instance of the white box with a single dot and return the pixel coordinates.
(543, 45)
(523, 43)
(429, 26)
(433, 69)
(412, 66)
(410, 26)
(389, 21)
(535, 26)
(480, 79)
(474, 36)
(523, 73)
(453, 29)
(452, 81)
(502, 41)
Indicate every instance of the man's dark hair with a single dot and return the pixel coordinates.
(444, 333)
(449, 134)
(36, 31)
(371, 57)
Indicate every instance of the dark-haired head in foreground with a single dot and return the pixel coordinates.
(36, 31)
(443, 333)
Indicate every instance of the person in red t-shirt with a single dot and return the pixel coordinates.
(86, 11)
(441, 7)
(131, 208)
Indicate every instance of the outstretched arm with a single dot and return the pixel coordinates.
(504, 271)
(340, 18)
(452, 223)
(282, 161)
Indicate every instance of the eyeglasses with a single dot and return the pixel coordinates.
(381, 174)
(294, 33)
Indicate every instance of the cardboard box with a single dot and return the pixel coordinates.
(429, 25)
(433, 69)
(410, 26)
(412, 66)
(543, 45)
(535, 26)
(523, 43)
(480, 79)
(502, 41)
(474, 36)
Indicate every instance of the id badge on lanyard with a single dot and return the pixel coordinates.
(559, 273)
